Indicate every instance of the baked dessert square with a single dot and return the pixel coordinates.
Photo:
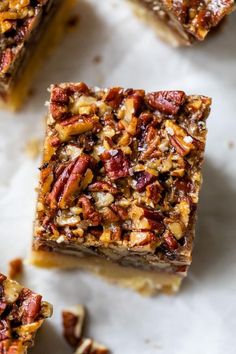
(28, 30)
(22, 313)
(182, 23)
(119, 184)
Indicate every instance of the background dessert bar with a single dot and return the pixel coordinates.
(28, 29)
(183, 22)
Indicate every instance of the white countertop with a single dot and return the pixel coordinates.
(202, 317)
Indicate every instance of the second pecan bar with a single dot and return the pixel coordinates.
(22, 313)
(119, 183)
(183, 22)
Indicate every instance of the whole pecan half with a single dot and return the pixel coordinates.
(73, 181)
(168, 102)
(68, 183)
(30, 307)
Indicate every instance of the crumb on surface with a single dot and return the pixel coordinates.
(15, 268)
(97, 59)
(231, 145)
(73, 21)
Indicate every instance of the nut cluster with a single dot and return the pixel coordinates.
(121, 167)
(21, 314)
(13, 10)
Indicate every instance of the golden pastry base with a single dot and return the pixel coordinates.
(162, 29)
(50, 38)
(145, 282)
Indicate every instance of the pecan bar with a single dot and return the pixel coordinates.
(119, 183)
(22, 312)
(182, 22)
(28, 29)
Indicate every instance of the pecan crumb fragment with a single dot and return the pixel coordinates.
(144, 179)
(168, 102)
(15, 268)
(73, 319)
(89, 346)
(73, 324)
(116, 164)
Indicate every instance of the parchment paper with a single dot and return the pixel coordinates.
(201, 319)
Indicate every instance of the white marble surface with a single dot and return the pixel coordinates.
(202, 317)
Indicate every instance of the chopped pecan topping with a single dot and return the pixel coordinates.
(114, 97)
(2, 278)
(121, 211)
(153, 191)
(6, 60)
(155, 218)
(89, 211)
(75, 125)
(144, 179)
(179, 138)
(116, 164)
(170, 241)
(89, 346)
(143, 238)
(104, 187)
(4, 330)
(109, 216)
(168, 102)
(60, 95)
(58, 110)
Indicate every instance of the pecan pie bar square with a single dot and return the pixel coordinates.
(28, 29)
(119, 184)
(182, 22)
(22, 312)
